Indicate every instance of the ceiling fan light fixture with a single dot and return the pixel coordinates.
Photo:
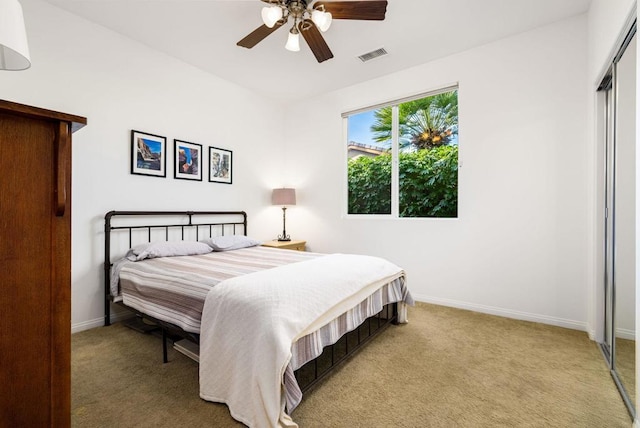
(271, 15)
(310, 19)
(321, 19)
(293, 42)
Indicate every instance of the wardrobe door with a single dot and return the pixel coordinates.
(625, 222)
(34, 274)
(618, 103)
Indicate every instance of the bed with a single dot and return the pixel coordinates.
(269, 323)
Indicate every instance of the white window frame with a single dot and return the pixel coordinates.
(395, 149)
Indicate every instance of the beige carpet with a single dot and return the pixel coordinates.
(446, 368)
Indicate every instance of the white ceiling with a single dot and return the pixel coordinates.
(204, 33)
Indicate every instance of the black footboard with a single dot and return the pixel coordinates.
(315, 370)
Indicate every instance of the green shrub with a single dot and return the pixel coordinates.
(428, 183)
(370, 185)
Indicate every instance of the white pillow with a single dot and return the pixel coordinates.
(230, 242)
(167, 249)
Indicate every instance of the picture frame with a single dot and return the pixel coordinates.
(187, 160)
(220, 165)
(148, 154)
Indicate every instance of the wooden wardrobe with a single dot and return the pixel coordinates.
(35, 265)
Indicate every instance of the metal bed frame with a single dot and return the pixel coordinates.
(309, 374)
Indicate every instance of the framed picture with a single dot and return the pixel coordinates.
(188, 160)
(220, 165)
(148, 154)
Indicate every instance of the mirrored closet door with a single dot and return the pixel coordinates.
(619, 109)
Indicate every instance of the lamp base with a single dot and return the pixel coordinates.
(284, 237)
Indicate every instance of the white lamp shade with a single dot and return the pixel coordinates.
(321, 19)
(14, 50)
(293, 42)
(271, 15)
(284, 196)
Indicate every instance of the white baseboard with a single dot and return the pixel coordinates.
(507, 313)
(99, 322)
(492, 310)
(624, 333)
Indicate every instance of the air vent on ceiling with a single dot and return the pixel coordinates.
(373, 54)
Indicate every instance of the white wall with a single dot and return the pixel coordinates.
(518, 247)
(83, 69)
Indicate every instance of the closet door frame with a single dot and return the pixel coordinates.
(607, 109)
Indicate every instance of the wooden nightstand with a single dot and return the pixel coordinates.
(288, 245)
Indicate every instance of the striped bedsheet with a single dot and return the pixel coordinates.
(173, 289)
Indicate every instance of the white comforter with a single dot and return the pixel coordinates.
(250, 322)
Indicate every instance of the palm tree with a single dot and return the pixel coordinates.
(425, 123)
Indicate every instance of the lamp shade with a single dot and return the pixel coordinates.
(321, 19)
(271, 15)
(293, 42)
(284, 196)
(14, 50)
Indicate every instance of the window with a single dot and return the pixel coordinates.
(402, 158)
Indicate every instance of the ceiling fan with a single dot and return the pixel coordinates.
(310, 20)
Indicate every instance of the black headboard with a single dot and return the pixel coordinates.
(131, 228)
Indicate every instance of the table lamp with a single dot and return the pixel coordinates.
(284, 197)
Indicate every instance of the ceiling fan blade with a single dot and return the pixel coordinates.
(366, 10)
(257, 35)
(315, 41)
